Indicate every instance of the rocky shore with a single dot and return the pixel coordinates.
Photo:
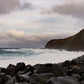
(68, 72)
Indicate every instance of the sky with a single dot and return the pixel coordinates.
(32, 23)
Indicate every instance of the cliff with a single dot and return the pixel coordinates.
(75, 42)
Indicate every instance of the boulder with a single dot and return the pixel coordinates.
(12, 81)
(40, 78)
(77, 76)
(73, 62)
(23, 78)
(82, 76)
(4, 70)
(28, 69)
(63, 80)
(82, 82)
(2, 74)
(11, 70)
(67, 63)
(20, 66)
(6, 78)
(55, 69)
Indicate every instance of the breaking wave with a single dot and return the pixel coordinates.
(34, 56)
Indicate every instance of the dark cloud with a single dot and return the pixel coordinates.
(14, 39)
(75, 9)
(7, 6)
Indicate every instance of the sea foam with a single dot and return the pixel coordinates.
(35, 56)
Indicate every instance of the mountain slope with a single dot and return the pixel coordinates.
(75, 42)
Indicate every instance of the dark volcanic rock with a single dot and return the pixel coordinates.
(82, 82)
(40, 78)
(48, 68)
(23, 78)
(20, 66)
(68, 72)
(11, 81)
(11, 69)
(5, 78)
(73, 62)
(75, 42)
(63, 80)
(4, 70)
(66, 63)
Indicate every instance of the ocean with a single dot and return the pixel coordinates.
(35, 56)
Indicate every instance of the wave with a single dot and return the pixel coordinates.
(8, 51)
(35, 56)
(19, 52)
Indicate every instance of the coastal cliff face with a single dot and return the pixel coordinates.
(75, 42)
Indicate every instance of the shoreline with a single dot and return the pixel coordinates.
(35, 56)
(48, 73)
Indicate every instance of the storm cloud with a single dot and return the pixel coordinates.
(18, 39)
(73, 8)
(7, 6)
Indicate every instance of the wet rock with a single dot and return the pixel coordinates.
(2, 74)
(76, 67)
(55, 69)
(74, 70)
(81, 70)
(11, 69)
(77, 76)
(73, 62)
(81, 63)
(0, 69)
(1, 82)
(69, 72)
(48, 65)
(82, 82)
(37, 66)
(23, 78)
(67, 63)
(12, 81)
(28, 69)
(82, 76)
(20, 66)
(4, 70)
(6, 78)
(80, 59)
(63, 80)
(22, 83)
(40, 78)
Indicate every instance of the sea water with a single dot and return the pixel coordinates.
(35, 56)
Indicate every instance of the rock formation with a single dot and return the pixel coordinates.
(68, 72)
(75, 42)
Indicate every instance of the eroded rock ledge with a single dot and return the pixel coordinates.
(68, 72)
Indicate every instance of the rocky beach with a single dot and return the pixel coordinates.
(68, 72)
(41, 41)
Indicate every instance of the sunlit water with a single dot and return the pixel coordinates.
(35, 56)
